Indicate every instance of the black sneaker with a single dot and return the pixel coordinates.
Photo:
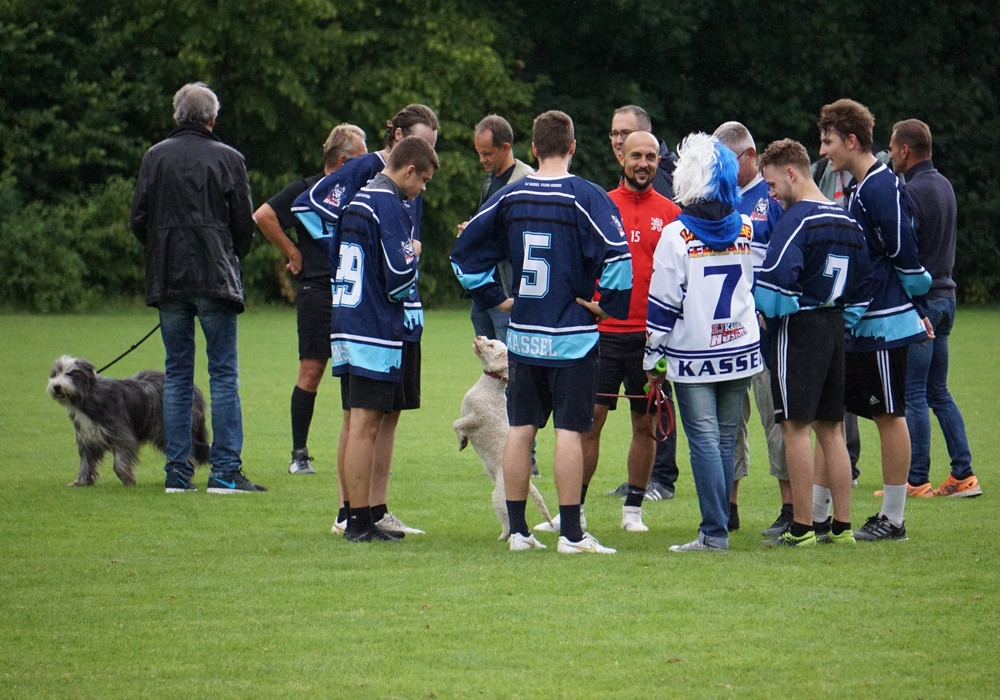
(233, 482)
(620, 491)
(781, 525)
(178, 484)
(301, 462)
(655, 491)
(878, 527)
(823, 529)
(373, 534)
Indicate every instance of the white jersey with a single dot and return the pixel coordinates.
(701, 316)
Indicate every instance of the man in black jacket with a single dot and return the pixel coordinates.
(193, 213)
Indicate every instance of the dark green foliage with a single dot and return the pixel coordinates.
(87, 87)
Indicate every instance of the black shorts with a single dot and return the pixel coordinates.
(313, 307)
(875, 382)
(567, 393)
(620, 363)
(404, 395)
(807, 352)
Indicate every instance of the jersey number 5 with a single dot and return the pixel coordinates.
(535, 269)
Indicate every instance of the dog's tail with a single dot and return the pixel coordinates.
(536, 496)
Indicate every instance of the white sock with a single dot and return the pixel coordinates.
(822, 499)
(894, 503)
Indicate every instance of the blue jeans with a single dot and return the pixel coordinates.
(218, 323)
(710, 414)
(490, 322)
(927, 386)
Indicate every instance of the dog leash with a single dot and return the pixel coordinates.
(134, 346)
(654, 397)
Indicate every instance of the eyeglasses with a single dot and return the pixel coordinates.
(741, 154)
(623, 134)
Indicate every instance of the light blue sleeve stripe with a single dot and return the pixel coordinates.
(774, 302)
(473, 280)
(915, 284)
(315, 225)
(617, 275)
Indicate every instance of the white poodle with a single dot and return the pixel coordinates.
(484, 424)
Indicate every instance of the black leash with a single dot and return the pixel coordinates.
(144, 339)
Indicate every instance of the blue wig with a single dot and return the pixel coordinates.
(706, 172)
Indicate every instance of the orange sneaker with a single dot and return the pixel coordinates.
(922, 491)
(960, 488)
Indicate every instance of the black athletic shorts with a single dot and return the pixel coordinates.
(364, 392)
(567, 393)
(313, 307)
(807, 353)
(875, 382)
(620, 364)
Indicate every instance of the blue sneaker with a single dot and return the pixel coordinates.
(232, 482)
(178, 484)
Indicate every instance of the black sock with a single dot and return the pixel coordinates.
(839, 527)
(379, 511)
(515, 516)
(798, 529)
(569, 523)
(303, 403)
(634, 496)
(786, 509)
(359, 519)
(583, 493)
(343, 512)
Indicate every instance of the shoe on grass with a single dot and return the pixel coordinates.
(656, 491)
(780, 525)
(522, 543)
(846, 537)
(878, 527)
(232, 482)
(301, 462)
(393, 524)
(632, 519)
(922, 491)
(787, 539)
(372, 534)
(960, 488)
(620, 491)
(176, 483)
(339, 527)
(695, 546)
(588, 545)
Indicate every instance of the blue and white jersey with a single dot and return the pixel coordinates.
(701, 316)
(377, 272)
(817, 258)
(891, 320)
(764, 212)
(560, 234)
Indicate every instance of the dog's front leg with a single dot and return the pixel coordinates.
(90, 458)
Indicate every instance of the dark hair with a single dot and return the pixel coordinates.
(915, 134)
(785, 152)
(406, 119)
(552, 134)
(498, 127)
(846, 117)
(413, 150)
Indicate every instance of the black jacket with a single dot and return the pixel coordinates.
(193, 213)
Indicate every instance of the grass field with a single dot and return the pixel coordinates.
(116, 592)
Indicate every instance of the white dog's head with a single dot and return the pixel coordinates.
(493, 354)
(71, 380)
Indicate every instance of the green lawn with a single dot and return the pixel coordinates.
(116, 592)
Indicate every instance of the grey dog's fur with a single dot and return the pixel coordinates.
(484, 424)
(118, 415)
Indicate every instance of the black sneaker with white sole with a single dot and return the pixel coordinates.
(781, 525)
(176, 483)
(232, 482)
(878, 527)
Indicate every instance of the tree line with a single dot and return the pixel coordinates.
(86, 88)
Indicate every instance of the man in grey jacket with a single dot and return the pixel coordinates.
(193, 213)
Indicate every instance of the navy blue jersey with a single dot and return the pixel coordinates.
(315, 265)
(878, 204)
(378, 268)
(817, 258)
(764, 212)
(560, 234)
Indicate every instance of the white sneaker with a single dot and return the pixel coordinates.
(522, 543)
(555, 526)
(632, 519)
(391, 523)
(695, 546)
(338, 527)
(588, 544)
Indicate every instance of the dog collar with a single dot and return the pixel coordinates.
(496, 376)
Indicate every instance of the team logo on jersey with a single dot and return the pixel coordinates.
(409, 253)
(335, 196)
(759, 212)
(723, 333)
(656, 223)
(618, 225)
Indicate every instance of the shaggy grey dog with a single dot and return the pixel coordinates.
(118, 415)
(484, 424)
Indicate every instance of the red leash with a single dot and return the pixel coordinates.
(654, 396)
